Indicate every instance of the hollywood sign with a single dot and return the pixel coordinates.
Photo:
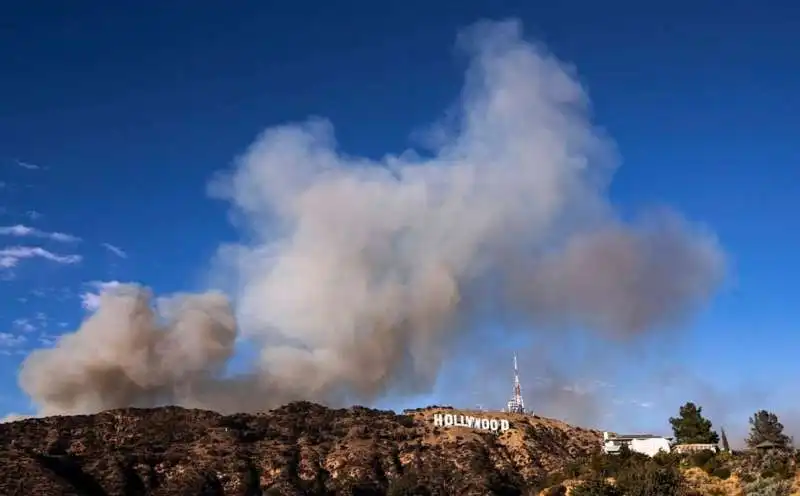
(486, 424)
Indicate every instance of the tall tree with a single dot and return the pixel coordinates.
(690, 427)
(765, 426)
(724, 440)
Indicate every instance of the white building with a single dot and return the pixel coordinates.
(646, 444)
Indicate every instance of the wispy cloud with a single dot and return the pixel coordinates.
(21, 231)
(586, 387)
(24, 325)
(47, 340)
(53, 293)
(11, 340)
(634, 402)
(27, 165)
(90, 300)
(29, 325)
(116, 250)
(11, 256)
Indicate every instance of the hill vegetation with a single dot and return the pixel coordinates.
(301, 448)
(306, 449)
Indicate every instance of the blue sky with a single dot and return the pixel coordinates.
(114, 117)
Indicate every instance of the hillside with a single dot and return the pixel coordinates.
(301, 448)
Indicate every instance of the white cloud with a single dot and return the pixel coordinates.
(14, 352)
(11, 256)
(10, 340)
(39, 320)
(116, 250)
(48, 340)
(21, 231)
(634, 402)
(90, 300)
(67, 238)
(27, 165)
(585, 387)
(23, 325)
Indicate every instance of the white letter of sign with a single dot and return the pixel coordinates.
(438, 419)
(485, 424)
(504, 425)
(448, 420)
(493, 424)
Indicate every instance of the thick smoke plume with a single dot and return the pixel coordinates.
(358, 275)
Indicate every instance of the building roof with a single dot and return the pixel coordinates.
(626, 437)
(766, 444)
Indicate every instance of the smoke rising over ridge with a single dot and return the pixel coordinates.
(358, 274)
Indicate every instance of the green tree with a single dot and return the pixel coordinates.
(724, 440)
(691, 427)
(765, 426)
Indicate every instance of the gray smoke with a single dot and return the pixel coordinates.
(358, 275)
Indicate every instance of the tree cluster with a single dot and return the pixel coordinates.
(763, 471)
(691, 427)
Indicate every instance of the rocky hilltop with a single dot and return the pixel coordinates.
(299, 449)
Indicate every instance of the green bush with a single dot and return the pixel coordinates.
(747, 477)
(777, 464)
(651, 480)
(575, 469)
(768, 487)
(407, 485)
(706, 460)
(721, 472)
(603, 466)
(558, 490)
(710, 462)
(596, 487)
(701, 458)
(724, 456)
(638, 475)
(552, 479)
(664, 459)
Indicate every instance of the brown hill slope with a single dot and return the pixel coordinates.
(301, 448)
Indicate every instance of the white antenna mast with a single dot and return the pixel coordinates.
(516, 404)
